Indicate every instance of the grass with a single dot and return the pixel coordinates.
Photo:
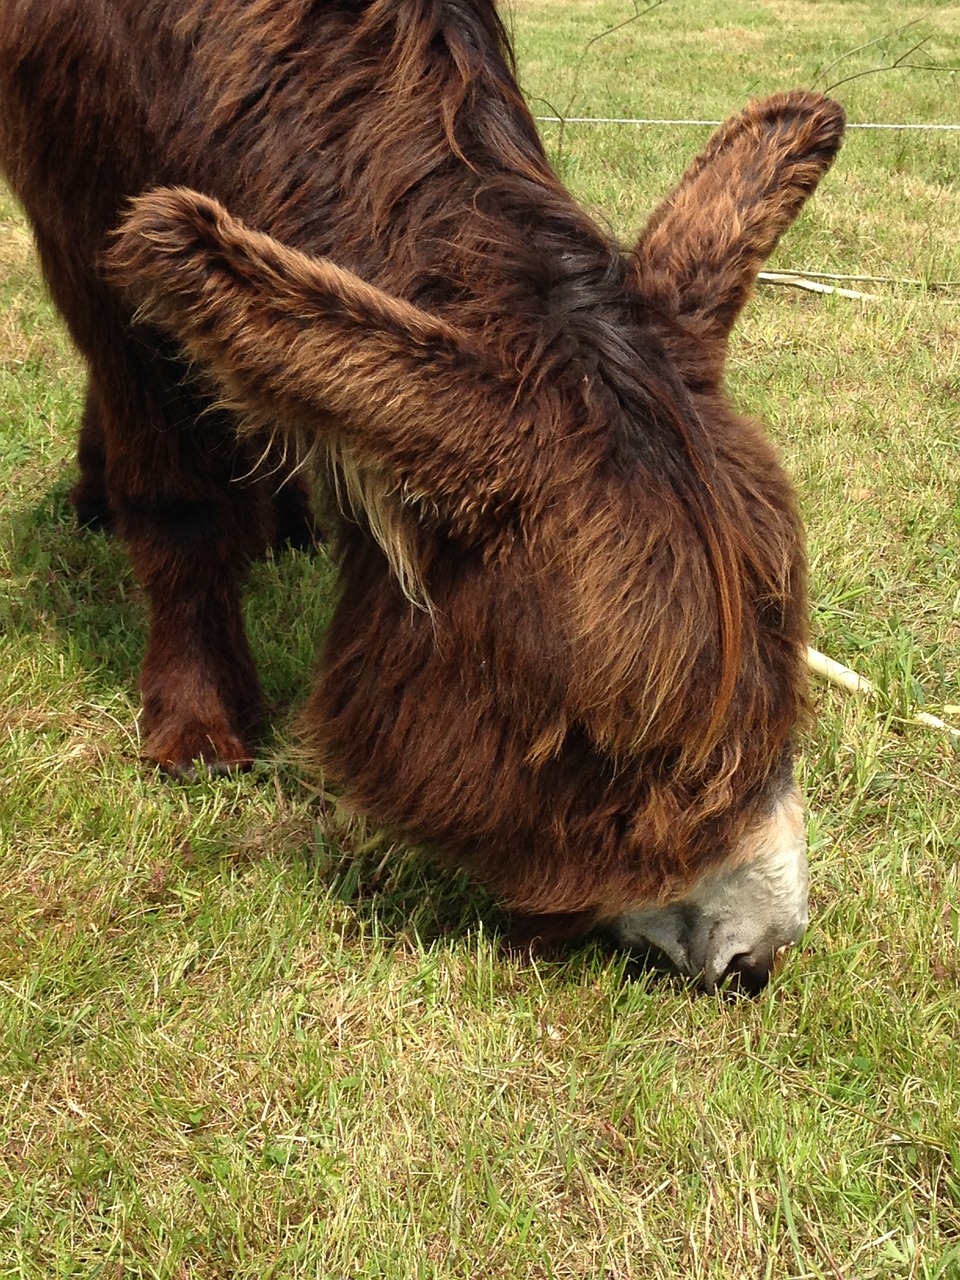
(243, 1036)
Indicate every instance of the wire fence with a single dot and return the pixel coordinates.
(947, 128)
(812, 281)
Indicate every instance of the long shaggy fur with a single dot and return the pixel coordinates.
(345, 232)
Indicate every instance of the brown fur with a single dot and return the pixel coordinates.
(569, 649)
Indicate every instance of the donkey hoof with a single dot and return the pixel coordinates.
(197, 770)
(194, 754)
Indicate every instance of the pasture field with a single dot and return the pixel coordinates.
(242, 1036)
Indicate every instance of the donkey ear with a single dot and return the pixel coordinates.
(699, 254)
(298, 343)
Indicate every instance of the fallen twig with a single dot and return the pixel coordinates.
(898, 64)
(601, 35)
(822, 71)
(836, 673)
(929, 285)
(814, 286)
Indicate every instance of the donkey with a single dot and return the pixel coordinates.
(568, 653)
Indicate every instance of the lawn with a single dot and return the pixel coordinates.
(243, 1036)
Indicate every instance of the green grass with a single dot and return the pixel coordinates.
(243, 1036)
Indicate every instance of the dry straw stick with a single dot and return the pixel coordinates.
(802, 280)
(814, 286)
(844, 678)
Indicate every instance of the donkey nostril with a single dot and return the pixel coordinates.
(748, 973)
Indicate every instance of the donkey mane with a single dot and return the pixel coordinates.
(467, 220)
(444, 197)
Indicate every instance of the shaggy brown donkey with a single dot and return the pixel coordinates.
(569, 648)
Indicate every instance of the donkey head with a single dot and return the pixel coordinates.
(609, 684)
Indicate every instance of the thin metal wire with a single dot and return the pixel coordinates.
(954, 128)
(799, 279)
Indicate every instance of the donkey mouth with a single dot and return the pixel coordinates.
(736, 924)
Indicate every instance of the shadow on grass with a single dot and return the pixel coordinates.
(77, 585)
(400, 894)
(70, 597)
(74, 592)
(72, 589)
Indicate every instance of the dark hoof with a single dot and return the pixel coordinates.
(190, 754)
(92, 512)
(303, 536)
(293, 523)
(198, 770)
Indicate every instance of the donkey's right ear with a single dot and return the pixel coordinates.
(299, 344)
(699, 255)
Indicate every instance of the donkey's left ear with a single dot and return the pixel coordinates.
(700, 253)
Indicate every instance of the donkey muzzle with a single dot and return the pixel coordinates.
(737, 921)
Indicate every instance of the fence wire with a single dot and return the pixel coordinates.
(947, 128)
